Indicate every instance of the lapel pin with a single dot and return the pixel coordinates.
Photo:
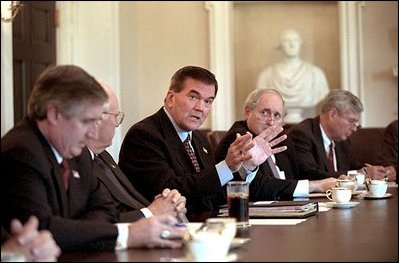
(205, 150)
(75, 174)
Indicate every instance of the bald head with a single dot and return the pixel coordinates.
(108, 125)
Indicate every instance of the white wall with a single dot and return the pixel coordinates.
(380, 23)
(136, 46)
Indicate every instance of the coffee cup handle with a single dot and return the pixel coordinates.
(328, 194)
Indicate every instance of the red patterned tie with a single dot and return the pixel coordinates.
(191, 153)
(330, 158)
(65, 173)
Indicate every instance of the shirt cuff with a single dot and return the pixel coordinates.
(123, 234)
(146, 212)
(302, 189)
(247, 174)
(224, 173)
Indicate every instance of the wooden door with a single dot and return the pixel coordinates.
(33, 49)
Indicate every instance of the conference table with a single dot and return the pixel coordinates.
(366, 232)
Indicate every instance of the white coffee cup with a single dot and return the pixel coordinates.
(347, 183)
(358, 176)
(224, 225)
(339, 194)
(376, 188)
(208, 247)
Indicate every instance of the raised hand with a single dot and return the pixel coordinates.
(262, 146)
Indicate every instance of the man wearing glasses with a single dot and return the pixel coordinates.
(322, 144)
(276, 178)
(128, 201)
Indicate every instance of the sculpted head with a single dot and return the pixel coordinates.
(290, 42)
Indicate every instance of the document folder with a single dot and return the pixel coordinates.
(280, 209)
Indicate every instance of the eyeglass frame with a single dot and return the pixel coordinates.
(119, 116)
(352, 122)
(267, 114)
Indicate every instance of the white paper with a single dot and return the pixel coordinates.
(264, 202)
(279, 221)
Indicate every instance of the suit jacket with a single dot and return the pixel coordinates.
(80, 219)
(312, 157)
(389, 149)
(265, 186)
(153, 157)
(129, 209)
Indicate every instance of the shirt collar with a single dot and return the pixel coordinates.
(326, 141)
(182, 133)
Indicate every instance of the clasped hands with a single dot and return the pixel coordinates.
(168, 202)
(251, 152)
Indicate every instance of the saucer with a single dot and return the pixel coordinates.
(387, 195)
(344, 205)
(238, 242)
(231, 257)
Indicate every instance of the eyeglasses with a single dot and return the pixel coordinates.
(267, 115)
(118, 116)
(352, 122)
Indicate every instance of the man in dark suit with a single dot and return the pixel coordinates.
(167, 150)
(276, 178)
(49, 170)
(389, 151)
(129, 202)
(322, 144)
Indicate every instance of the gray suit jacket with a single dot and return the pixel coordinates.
(129, 209)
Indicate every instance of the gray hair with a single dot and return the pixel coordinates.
(68, 87)
(254, 97)
(343, 100)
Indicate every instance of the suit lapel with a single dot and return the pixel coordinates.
(201, 151)
(319, 142)
(137, 201)
(175, 144)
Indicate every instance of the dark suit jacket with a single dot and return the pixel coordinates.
(129, 209)
(32, 185)
(312, 157)
(265, 186)
(153, 157)
(4, 235)
(389, 149)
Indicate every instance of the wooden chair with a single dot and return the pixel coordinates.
(215, 137)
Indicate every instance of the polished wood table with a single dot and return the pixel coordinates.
(366, 232)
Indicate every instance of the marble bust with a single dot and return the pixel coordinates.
(301, 83)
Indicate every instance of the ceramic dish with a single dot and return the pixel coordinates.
(387, 195)
(343, 205)
(231, 257)
(238, 242)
